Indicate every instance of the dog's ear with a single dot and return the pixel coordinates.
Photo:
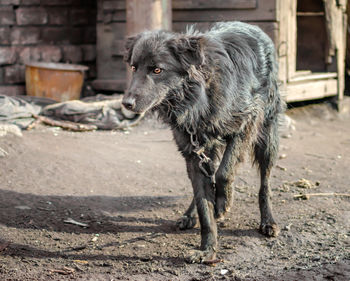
(188, 50)
(129, 47)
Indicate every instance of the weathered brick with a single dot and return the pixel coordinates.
(72, 54)
(56, 2)
(7, 16)
(90, 35)
(25, 35)
(12, 90)
(54, 35)
(1, 75)
(58, 16)
(29, 54)
(9, 2)
(92, 72)
(4, 36)
(50, 53)
(89, 52)
(30, 16)
(76, 35)
(14, 74)
(79, 17)
(30, 2)
(8, 55)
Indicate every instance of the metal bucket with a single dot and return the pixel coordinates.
(58, 81)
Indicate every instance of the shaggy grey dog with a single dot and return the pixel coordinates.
(218, 92)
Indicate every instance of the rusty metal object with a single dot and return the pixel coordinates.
(58, 81)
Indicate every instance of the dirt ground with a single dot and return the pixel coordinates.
(128, 188)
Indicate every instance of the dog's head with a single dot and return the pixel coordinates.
(160, 62)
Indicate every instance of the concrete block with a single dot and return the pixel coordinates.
(31, 16)
(8, 55)
(25, 35)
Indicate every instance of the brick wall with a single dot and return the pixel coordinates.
(44, 30)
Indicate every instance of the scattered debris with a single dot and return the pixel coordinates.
(287, 227)
(223, 271)
(78, 267)
(3, 152)
(67, 125)
(304, 183)
(23, 207)
(10, 128)
(4, 245)
(283, 156)
(71, 221)
(81, 261)
(281, 168)
(64, 271)
(306, 196)
(213, 262)
(79, 248)
(317, 156)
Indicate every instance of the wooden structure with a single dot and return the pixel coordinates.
(309, 36)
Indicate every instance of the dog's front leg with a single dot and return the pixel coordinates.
(225, 175)
(204, 199)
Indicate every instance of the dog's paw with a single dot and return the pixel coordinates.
(222, 206)
(269, 229)
(186, 222)
(206, 257)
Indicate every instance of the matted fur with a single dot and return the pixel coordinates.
(222, 84)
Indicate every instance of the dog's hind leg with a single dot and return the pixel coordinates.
(204, 199)
(265, 155)
(189, 218)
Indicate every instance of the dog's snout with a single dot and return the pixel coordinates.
(129, 103)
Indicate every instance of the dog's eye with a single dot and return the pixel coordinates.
(157, 70)
(133, 68)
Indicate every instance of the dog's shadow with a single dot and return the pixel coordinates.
(102, 214)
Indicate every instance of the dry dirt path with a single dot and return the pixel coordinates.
(130, 187)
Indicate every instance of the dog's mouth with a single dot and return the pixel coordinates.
(136, 110)
(132, 111)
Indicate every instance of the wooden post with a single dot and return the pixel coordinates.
(147, 15)
(336, 24)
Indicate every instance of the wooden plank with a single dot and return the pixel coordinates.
(341, 54)
(266, 11)
(119, 16)
(147, 15)
(218, 4)
(108, 67)
(336, 24)
(117, 85)
(201, 26)
(291, 38)
(270, 28)
(300, 77)
(309, 14)
(118, 47)
(315, 89)
(281, 40)
(191, 4)
(114, 5)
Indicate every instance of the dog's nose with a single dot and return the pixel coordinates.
(129, 103)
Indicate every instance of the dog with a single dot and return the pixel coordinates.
(218, 91)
